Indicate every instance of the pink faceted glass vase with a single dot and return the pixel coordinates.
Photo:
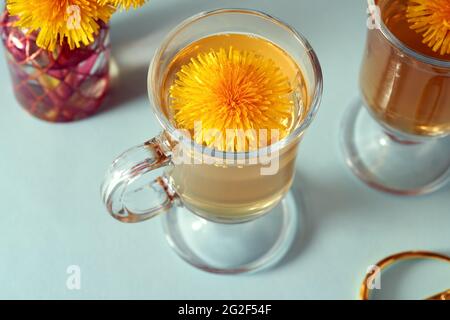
(61, 85)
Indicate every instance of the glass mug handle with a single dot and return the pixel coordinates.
(122, 181)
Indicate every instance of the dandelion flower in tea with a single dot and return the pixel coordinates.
(231, 90)
(431, 18)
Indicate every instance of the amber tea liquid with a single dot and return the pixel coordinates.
(236, 192)
(406, 94)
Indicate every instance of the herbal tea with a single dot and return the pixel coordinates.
(234, 82)
(407, 94)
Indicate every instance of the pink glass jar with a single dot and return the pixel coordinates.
(61, 85)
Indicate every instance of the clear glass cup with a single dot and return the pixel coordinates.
(396, 135)
(227, 213)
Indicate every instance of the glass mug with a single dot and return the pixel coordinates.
(396, 136)
(222, 214)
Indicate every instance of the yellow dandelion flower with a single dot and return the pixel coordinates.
(126, 4)
(232, 91)
(431, 18)
(73, 21)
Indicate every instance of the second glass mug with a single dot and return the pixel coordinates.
(221, 217)
(396, 137)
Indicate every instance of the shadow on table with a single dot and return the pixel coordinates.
(322, 198)
(128, 85)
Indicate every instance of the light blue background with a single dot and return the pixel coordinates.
(52, 216)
